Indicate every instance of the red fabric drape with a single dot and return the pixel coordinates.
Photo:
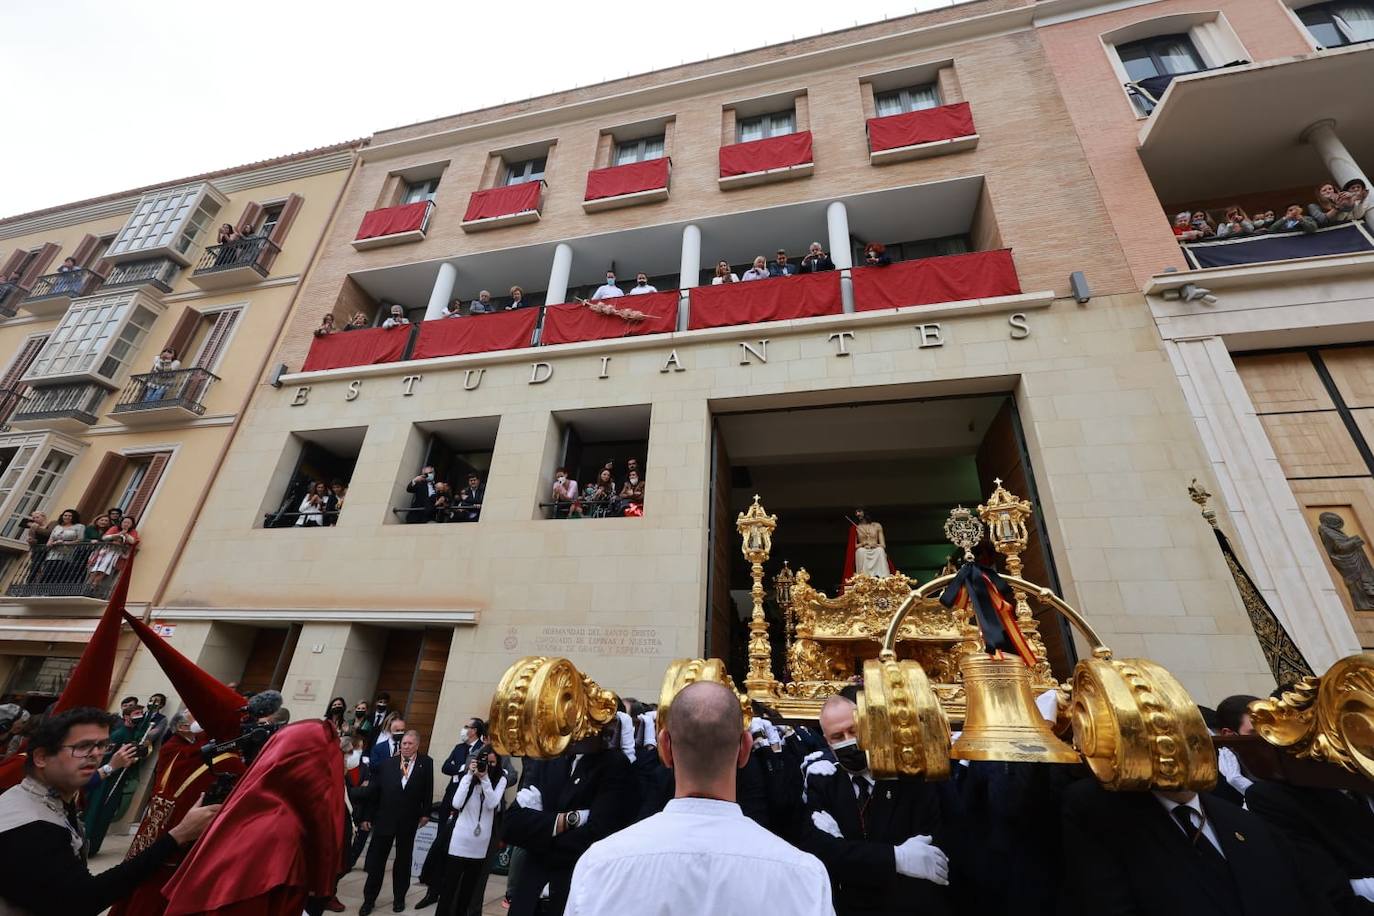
(357, 348)
(89, 683)
(951, 278)
(215, 706)
(775, 299)
(572, 322)
(391, 220)
(627, 179)
(762, 155)
(476, 334)
(515, 198)
(279, 836)
(926, 126)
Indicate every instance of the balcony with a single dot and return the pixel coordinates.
(768, 160)
(1345, 239)
(234, 264)
(511, 205)
(71, 408)
(153, 275)
(394, 225)
(71, 575)
(164, 397)
(10, 399)
(627, 185)
(52, 294)
(10, 296)
(920, 134)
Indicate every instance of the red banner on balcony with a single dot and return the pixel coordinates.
(925, 126)
(951, 278)
(392, 220)
(762, 155)
(573, 322)
(633, 178)
(357, 348)
(476, 334)
(775, 299)
(506, 201)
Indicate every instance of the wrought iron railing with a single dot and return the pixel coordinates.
(10, 294)
(84, 569)
(10, 399)
(246, 252)
(184, 388)
(158, 272)
(72, 283)
(78, 400)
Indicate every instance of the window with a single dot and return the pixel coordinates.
(527, 170)
(322, 456)
(143, 476)
(416, 191)
(1160, 56)
(167, 222)
(638, 150)
(921, 248)
(271, 215)
(456, 449)
(587, 441)
(96, 339)
(37, 491)
(1339, 22)
(764, 126)
(902, 101)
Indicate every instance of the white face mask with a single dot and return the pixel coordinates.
(352, 760)
(196, 729)
(634, 479)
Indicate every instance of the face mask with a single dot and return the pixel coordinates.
(560, 478)
(352, 760)
(610, 281)
(634, 479)
(850, 756)
(359, 713)
(196, 729)
(397, 736)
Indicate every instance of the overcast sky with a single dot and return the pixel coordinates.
(105, 96)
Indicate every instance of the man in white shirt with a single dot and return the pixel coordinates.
(397, 319)
(482, 304)
(608, 290)
(701, 854)
(642, 285)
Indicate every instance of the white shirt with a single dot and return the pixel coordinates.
(717, 281)
(472, 829)
(394, 322)
(641, 290)
(1196, 805)
(756, 273)
(608, 291)
(407, 767)
(699, 855)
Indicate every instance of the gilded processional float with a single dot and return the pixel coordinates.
(965, 649)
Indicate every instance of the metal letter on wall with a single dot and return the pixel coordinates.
(673, 364)
(747, 349)
(409, 381)
(841, 343)
(930, 336)
(353, 387)
(540, 373)
(302, 395)
(468, 383)
(605, 364)
(1020, 327)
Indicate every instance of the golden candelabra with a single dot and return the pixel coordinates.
(1005, 516)
(756, 531)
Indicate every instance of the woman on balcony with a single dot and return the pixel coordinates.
(60, 563)
(119, 543)
(723, 274)
(161, 378)
(96, 531)
(759, 271)
(225, 239)
(310, 513)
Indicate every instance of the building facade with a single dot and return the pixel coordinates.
(92, 293)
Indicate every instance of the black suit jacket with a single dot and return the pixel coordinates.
(1126, 856)
(421, 502)
(395, 809)
(863, 865)
(455, 765)
(603, 785)
(1334, 833)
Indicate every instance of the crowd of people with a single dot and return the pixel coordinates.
(602, 496)
(66, 551)
(433, 500)
(1333, 206)
(321, 504)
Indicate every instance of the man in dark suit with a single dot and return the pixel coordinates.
(402, 793)
(1334, 832)
(879, 839)
(472, 736)
(569, 803)
(388, 741)
(422, 491)
(1178, 854)
(380, 708)
(470, 500)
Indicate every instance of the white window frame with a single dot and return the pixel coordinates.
(17, 485)
(644, 149)
(97, 340)
(526, 170)
(421, 189)
(1296, 6)
(167, 223)
(1211, 33)
(909, 99)
(772, 124)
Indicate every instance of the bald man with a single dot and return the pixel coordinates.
(879, 838)
(700, 854)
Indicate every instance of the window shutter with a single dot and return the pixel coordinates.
(214, 343)
(18, 257)
(249, 220)
(279, 231)
(81, 254)
(94, 500)
(183, 332)
(144, 494)
(38, 265)
(20, 364)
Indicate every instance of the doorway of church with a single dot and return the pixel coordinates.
(906, 463)
(412, 673)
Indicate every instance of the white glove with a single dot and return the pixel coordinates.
(1363, 887)
(1229, 767)
(530, 799)
(826, 824)
(1048, 705)
(916, 858)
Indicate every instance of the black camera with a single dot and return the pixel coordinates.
(481, 752)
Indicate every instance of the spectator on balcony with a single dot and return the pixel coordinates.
(1202, 222)
(1262, 221)
(454, 309)
(115, 514)
(599, 496)
(225, 239)
(443, 502)
(310, 513)
(723, 274)
(338, 490)
(326, 326)
(758, 272)
(642, 285)
(1235, 224)
(780, 267)
(564, 493)
(1331, 207)
(60, 563)
(631, 501)
(1358, 194)
(482, 304)
(95, 531)
(470, 500)
(517, 299)
(875, 255)
(1294, 220)
(422, 491)
(67, 280)
(161, 378)
(36, 534)
(816, 260)
(120, 542)
(397, 318)
(1183, 228)
(608, 290)
(358, 322)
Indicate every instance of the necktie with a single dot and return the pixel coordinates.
(1191, 821)
(395, 748)
(405, 767)
(864, 790)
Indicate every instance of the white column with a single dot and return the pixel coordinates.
(841, 252)
(689, 271)
(558, 274)
(1339, 163)
(442, 294)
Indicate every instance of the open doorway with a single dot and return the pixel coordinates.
(907, 463)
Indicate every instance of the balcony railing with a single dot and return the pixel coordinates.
(1347, 238)
(88, 569)
(10, 399)
(71, 284)
(180, 389)
(244, 253)
(78, 402)
(159, 273)
(10, 296)
(394, 225)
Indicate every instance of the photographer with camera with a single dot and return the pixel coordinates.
(42, 842)
(470, 737)
(479, 795)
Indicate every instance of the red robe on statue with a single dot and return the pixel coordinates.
(279, 838)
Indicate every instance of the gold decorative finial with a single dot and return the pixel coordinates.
(963, 530)
(756, 526)
(1005, 515)
(1198, 494)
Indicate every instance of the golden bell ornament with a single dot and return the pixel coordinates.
(1001, 721)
